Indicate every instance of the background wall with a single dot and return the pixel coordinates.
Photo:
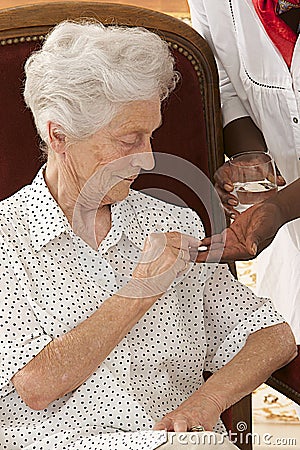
(168, 6)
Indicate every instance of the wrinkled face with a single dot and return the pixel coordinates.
(104, 166)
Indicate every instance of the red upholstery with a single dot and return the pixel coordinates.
(19, 155)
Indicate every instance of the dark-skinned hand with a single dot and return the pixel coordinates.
(247, 236)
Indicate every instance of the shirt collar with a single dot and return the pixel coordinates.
(125, 220)
(46, 220)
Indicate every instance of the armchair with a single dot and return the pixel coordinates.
(192, 120)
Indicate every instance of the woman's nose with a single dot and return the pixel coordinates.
(144, 159)
(147, 160)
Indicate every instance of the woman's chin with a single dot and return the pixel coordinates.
(117, 194)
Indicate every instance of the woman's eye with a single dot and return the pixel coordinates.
(129, 140)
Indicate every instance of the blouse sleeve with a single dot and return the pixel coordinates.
(232, 312)
(21, 335)
(232, 107)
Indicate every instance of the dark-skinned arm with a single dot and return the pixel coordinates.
(242, 135)
(253, 230)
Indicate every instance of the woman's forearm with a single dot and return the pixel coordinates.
(264, 352)
(242, 135)
(288, 201)
(66, 362)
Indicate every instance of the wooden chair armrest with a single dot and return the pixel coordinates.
(287, 379)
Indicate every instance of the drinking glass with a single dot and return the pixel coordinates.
(254, 178)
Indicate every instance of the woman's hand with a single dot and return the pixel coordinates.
(250, 367)
(164, 257)
(247, 236)
(254, 229)
(224, 188)
(199, 409)
(224, 178)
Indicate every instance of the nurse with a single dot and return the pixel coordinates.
(256, 46)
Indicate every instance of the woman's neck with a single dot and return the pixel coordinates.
(91, 223)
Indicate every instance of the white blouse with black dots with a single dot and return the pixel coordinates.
(51, 281)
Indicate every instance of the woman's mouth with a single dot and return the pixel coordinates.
(129, 179)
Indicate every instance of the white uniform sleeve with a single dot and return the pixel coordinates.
(21, 336)
(232, 312)
(232, 107)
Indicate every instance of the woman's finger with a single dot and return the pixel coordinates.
(223, 177)
(213, 254)
(183, 258)
(230, 212)
(180, 425)
(164, 424)
(225, 197)
(279, 178)
(280, 181)
(177, 424)
(179, 240)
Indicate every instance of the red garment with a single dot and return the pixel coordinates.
(283, 37)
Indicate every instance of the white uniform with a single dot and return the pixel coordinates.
(255, 81)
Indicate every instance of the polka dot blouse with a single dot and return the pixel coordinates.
(51, 281)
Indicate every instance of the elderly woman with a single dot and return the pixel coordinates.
(106, 324)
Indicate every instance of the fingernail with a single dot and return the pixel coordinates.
(232, 202)
(254, 249)
(228, 187)
(232, 216)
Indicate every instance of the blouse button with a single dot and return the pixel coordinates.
(295, 120)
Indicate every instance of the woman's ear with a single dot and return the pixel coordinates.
(57, 138)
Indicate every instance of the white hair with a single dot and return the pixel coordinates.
(85, 72)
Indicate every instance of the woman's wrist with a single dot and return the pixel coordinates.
(140, 289)
(211, 397)
(287, 202)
